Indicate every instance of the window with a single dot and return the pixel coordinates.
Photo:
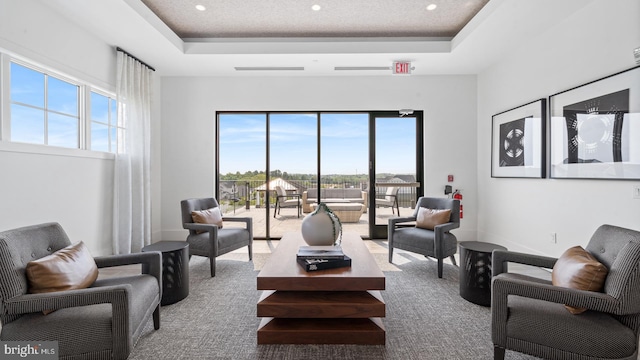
(44, 108)
(104, 123)
(48, 108)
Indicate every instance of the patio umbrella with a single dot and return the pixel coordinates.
(272, 186)
(276, 182)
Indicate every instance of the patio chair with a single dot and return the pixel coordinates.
(210, 240)
(390, 199)
(283, 199)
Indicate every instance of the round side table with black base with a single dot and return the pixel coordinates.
(475, 271)
(175, 269)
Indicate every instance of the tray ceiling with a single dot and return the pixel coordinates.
(298, 19)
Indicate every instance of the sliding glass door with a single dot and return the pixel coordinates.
(240, 171)
(396, 167)
(292, 163)
(276, 166)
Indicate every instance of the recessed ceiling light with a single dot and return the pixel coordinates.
(316, 7)
(432, 7)
(201, 7)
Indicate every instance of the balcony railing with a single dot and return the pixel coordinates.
(236, 194)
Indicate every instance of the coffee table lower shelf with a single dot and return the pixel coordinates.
(368, 331)
(321, 317)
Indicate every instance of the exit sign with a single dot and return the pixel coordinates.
(402, 67)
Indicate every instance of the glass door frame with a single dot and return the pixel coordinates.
(380, 231)
(375, 231)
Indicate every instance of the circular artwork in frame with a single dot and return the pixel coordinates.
(518, 141)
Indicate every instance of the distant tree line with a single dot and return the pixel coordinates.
(261, 175)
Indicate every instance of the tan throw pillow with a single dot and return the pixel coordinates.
(429, 218)
(66, 269)
(209, 216)
(576, 268)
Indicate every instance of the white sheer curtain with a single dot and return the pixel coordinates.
(131, 199)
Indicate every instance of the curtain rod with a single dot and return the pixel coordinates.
(140, 61)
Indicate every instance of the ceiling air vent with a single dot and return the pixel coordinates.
(357, 68)
(269, 68)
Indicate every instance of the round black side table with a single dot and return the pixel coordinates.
(475, 271)
(175, 269)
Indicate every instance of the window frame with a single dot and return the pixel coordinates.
(113, 123)
(84, 120)
(46, 109)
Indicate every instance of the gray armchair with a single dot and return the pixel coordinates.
(213, 242)
(438, 243)
(528, 314)
(103, 321)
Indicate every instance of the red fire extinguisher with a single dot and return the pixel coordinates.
(457, 195)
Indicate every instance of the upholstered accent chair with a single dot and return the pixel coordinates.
(209, 240)
(529, 314)
(285, 200)
(103, 321)
(438, 243)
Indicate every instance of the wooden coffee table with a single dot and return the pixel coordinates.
(334, 306)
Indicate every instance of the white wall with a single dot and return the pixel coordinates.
(594, 42)
(188, 120)
(72, 187)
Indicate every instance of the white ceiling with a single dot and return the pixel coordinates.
(499, 27)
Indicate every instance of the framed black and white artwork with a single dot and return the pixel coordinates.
(518, 141)
(595, 129)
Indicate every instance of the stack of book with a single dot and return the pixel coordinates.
(313, 258)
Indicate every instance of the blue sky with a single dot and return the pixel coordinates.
(294, 143)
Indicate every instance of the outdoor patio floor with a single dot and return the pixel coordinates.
(288, 220)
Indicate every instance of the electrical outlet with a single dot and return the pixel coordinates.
(636, 192)
(553, 238)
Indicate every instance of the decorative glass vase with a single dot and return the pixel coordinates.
(321, 227)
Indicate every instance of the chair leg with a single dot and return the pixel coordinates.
(391, 255)
(212, 263)
(453, 260)
(498, 352)
(250, 251)
(440, 268)
(156, 318)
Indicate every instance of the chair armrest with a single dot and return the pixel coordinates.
(151, 262)
(442, 228)
(365, 198)
(246, 220)
(500, 257)
(507, 284)
(201, 227)
(29, 303)
(397, 220)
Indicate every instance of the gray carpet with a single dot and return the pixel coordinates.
(426, 319)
